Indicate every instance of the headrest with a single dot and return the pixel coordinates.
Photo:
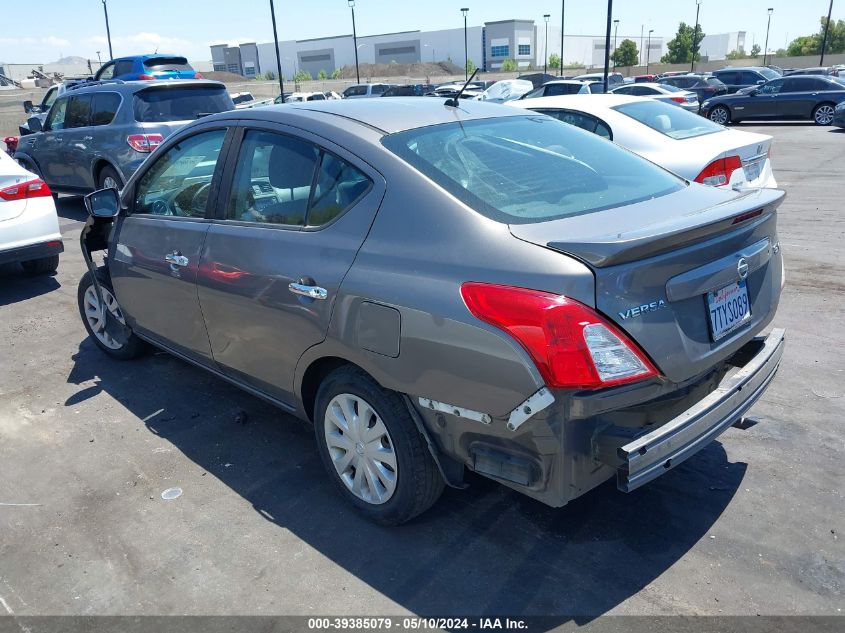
(292, 165)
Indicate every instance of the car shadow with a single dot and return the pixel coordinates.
(481, 551)
(16, 285)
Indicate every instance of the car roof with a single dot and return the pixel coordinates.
(385, 115)
(756, 69)
(110, 85)
(586, 102)
(579, 82)
(147, 56)
(643, 84)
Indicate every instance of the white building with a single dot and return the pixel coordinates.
(716, 47)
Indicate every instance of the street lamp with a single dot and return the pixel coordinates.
(615, 30)
(546, 17)
(562, 13)
(648, 50)
(99, 61)
(695, 41)
(108, 31)
(826, 29)
(464, 11)
(607, 42)
(278, 54)
(355, 40)
(766, 48)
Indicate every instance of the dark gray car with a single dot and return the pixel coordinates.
(441, 289)
(98, 133)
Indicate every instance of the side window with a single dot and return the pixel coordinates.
(49, 99)
(627, 90)
(273, 179)
(125, 67)
(179, 181)
(355, 91)
(582, 120)
(106, 72)
(56, 118)
(104, 107)
(802, 84)
(749, 78)
(820, 85)
(729, 78)
(78, 112)
(339, 185)
(773, 87)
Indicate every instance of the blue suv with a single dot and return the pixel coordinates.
(141, 67)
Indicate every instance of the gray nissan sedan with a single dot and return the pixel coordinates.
(441, 289)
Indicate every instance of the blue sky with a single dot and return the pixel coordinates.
(76, 27)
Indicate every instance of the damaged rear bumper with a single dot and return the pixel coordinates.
(642, 457)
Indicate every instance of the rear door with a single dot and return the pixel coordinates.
(77, 142)
(290, 224)
(156, 251)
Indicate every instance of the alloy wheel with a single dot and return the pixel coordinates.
(360, 448)
(110, 183)
(719, 115)
(95, 317)
(824, 115)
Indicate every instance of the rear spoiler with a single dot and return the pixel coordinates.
(754, 205)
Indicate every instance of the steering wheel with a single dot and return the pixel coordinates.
(186, 201)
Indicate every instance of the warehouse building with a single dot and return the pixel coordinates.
(488, 46)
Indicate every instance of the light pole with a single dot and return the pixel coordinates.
(607, 42)
(640, 60)
(355, 40)
(278, 54)
(826, 29)
(99, 61)
(464, 11)
(562, 13)
(766, 48)
(615, 30)
(546, 17)
(108, 31)
(648, 51)
(695, 37)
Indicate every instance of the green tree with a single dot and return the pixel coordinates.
(508, 66)
(737, 53)
(681, 47)
(471, 66)
(337, 74)
(755, 51)
(626, 54)
(269, 75)
(322, 75)
(554, 61)
(812, 44)
(302, 75)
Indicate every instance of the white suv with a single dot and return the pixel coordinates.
(360, 91)
(29, 226)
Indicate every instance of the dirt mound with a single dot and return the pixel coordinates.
(424, 69)
(224, 76)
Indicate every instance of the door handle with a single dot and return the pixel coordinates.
(312, 292)
(176, 259)
(87, 138)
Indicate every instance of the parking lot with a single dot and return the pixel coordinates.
(751, 525)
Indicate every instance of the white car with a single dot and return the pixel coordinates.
(506, 90)
(687, 99)
(558, 87)
(29, 226)
(688, 144)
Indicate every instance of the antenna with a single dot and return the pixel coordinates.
(454, 100)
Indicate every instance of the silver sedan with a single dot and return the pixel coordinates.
(662, 92)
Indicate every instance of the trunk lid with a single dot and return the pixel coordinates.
(655, 262)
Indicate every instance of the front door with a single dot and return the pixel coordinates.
(155, 258)
(48, 146)
(286, 233)
(766, 103)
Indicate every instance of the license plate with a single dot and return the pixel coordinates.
(729, 309)
(752, 170)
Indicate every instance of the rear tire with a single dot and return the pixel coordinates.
(43, 266)
(372, 449)
(86, 297)
(109, 178)
(720, 114)
(823, 114)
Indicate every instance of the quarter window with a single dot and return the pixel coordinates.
(287, 181)
(106, 72)
(179, 181)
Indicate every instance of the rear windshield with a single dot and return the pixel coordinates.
(667, 119)
(670, 88)
(180, 104)
(160, 64)
(528, 169)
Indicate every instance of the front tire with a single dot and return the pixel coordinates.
(109, 179)
(372, 449)
(43, 266)
(89, 310)
(823, 114)
(720, 114)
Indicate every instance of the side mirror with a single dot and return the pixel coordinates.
(104, 203)
(34, 124)
(754, 92)
(27, 106)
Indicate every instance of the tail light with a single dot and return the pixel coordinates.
(198, 75)
(24, 190)
(571, 344)
(719, 172)
(144, 142)
(678, 99)
(146, 77)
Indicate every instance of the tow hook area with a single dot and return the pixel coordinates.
(541, 399)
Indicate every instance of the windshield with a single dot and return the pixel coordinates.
(520, 170)
(670, 120)
(159, 105)
(768, 73)
(161, 64)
